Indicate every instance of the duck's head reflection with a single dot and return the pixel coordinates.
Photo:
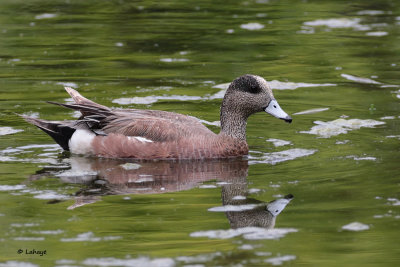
(260, 214)
(119, 177)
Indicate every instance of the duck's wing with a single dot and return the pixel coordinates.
(166, 127)
(154, 125)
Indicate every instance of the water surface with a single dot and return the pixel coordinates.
(333, 65)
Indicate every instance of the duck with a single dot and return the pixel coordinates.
(154, 134)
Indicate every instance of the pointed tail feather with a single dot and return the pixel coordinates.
(59, 131)
(80, 100)
(86, 110)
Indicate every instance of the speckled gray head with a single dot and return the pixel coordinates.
(277, 206)
(256, 85)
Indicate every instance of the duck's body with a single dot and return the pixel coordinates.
(153, 134)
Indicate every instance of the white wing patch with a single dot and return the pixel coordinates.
(140, 139)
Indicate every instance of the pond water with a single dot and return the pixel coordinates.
(333, 65)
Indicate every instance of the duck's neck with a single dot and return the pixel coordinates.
(233, 123)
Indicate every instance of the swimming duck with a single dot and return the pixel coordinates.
(154, 134)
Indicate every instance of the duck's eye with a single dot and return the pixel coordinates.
(274, 106)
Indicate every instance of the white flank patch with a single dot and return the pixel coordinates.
(142, 139)
(81, 142)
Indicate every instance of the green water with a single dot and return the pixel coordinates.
(149, 215)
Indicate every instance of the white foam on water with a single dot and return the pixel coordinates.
(213, 123)
(393, 136)
(153, 99)
(76, 173)
(311, 111)
(247, 247)
(355, 226)
(138, 262)
(254, 190)
(46, 16)
(343, 142)
(388, 118)
(29, 238)
(223, 86)
(65, 261)
(377, 34)
(146, 100)
(278, 142)
(9, 130)
(277, 85)
(359, 79)
(68, 84)
(48, 194)
(279, 260)
(39, 146)
(394, 201)
(174, 59)
(253, 26)
(24, 225)
(49, 232)
(199, 258)
(17, 264)
(249, 233)
(234, 208)
(12, 187)
(370, 12)
(361, 158)
(262, 253)
(281, 156)
(89, 237)
(339, 23)
(340, 126)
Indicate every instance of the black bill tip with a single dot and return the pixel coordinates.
(290, 196)
(288, 119)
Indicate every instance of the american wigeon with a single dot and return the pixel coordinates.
(154, 134)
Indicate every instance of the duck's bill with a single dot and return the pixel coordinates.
(275, 110)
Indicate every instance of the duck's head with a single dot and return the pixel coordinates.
(249, 94)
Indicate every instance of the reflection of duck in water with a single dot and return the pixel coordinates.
(154, 134)
(262, 215)
(120, 177)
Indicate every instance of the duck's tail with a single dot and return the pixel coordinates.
(61, 132)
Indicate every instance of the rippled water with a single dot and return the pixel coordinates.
(333, 65)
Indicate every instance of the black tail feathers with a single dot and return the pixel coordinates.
(61, 132)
